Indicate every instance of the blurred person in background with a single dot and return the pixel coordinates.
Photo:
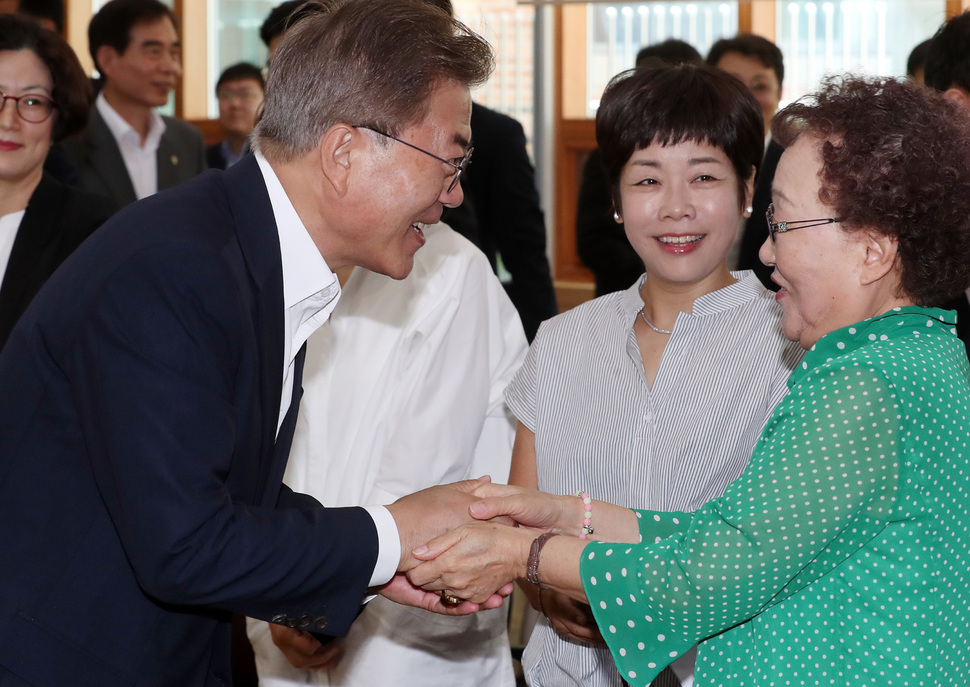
(240, 94)
(947, 69)
(760, 66)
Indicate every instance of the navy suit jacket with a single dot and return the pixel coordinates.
(141, 497)
(101, 169)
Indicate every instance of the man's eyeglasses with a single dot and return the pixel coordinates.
(459, 166)
(781, 227)
(31, 108)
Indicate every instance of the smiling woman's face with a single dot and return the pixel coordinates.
(23, 145)
(681, 211)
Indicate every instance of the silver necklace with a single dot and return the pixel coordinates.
(654, 327)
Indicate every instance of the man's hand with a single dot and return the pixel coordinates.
(401, 591)
(426, 514)
(303, 650)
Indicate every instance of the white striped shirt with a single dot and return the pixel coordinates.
(600, 427)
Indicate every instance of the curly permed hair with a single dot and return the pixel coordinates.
(896, 160)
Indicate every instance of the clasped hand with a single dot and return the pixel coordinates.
(478, 559)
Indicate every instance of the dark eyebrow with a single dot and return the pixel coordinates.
(158, 44)
(465, 143)
(704, 161)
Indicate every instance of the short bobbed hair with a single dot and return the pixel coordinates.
(673, 104)
(72, 91)
(364, 63)
(895, 160)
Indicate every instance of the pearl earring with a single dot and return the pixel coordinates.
(616, 216)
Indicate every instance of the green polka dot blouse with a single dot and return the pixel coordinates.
(841, 556)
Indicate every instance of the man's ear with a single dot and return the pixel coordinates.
(107, 57)
(880, 257)
(338, 151)
(959, 96)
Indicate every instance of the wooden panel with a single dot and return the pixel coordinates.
(758, 16)
(572, 49)
(76, 27)
(211, 132)
(575, 139)
(192, 93)
(955, 7)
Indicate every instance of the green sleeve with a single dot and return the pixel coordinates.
(821, 483)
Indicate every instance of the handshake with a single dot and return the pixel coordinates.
(464, 544)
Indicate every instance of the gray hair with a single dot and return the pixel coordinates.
(363, 63)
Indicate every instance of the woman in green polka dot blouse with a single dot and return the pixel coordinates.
(841, 556)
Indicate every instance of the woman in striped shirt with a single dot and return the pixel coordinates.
(653, 397)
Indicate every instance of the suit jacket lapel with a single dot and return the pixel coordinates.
(260, 245)
(38, 228)
(106, 160)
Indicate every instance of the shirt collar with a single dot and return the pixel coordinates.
(745, 289)
(891, 324)
(305, 272)
(120, 129)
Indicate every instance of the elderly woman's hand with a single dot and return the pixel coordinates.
(473, 561)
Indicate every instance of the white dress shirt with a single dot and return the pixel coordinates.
(310, 293)
(403, 390)
(141, 161)
(9, 226)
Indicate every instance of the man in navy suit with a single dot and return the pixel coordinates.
(150, 390)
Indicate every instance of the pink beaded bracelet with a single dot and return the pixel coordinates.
(587, 528)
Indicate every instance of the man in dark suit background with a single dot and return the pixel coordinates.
(760, 65)
(151, 389)
(128, 151)
(947, 69)
(502, 215)
(240, 93)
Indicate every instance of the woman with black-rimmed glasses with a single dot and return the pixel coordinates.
(45, 98)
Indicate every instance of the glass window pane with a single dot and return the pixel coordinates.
(509, 28)
(859, 36)
(615, 33)
(234, 37)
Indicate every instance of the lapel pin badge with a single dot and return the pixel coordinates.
(175, 159)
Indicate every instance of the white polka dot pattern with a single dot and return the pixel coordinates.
(840, 556)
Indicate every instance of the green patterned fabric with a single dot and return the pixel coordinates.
(841, 556)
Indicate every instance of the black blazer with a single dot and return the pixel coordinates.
(57, 220)
(141, 497)
(601, 241)
(756, 226)
(101, 169)
(502, 216)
